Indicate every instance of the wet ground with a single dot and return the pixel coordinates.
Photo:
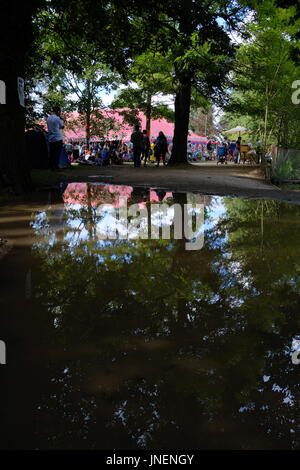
(141, 343)
(247, 181)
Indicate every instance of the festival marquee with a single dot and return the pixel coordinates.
(125, 130)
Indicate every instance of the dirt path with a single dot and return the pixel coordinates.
(205, 178)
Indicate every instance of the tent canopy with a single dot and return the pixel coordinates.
(125, 131)
(237, 130)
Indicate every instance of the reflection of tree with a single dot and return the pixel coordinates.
(164, 348)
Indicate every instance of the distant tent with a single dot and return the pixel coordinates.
(125, 130)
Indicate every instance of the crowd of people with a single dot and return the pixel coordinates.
(226, 151)
(139, 149)
(98, 153)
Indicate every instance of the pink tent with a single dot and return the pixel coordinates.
(89, 193)
(94, 194)
(125, 130)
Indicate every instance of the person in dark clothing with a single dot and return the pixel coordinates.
(137, 138)
(146, 151)
(231, 149)
(76, 151)
(160, 148)
(210, 149)
(237, 150)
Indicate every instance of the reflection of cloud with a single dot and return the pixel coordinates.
(215, 212)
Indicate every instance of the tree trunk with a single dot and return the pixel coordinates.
(88, 128)
(88, 113)
(148, 113)
(182, 115)
(266, 119)
(15, 37)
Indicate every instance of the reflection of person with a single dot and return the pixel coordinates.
(139, 195)
(55, 125)
(137, 138)
(160, 194)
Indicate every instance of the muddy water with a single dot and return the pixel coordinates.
(140, 343)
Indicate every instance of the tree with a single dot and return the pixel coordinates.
(107, 25)
(202, 121)
(195, 37)
(152, 74)
(74, 87)
(14, 51)
(262, 82)
(80, 92)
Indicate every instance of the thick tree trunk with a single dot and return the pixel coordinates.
(15, 36)
(182, 115)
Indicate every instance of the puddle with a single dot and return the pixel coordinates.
(141, 343)
(100, 176)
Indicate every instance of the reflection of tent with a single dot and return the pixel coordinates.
(239, 129)
(124, 133)
(94, 194)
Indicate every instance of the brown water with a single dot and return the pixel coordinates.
(133, 344)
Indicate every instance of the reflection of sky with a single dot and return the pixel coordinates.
(215, 212)
(109, 225)
(106, 221)
(231, 271)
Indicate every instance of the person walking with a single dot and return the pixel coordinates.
(137, 139)
(146, 150)
(55, 138)
(210, 149)
(232, 150)
(237, 150)
(161, 148)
